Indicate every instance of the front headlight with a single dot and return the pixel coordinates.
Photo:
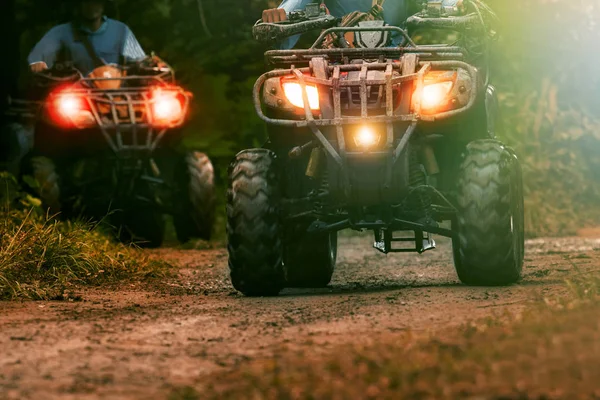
(437, 92)
(293, 93)
(167, 107)
(435, 95)
(68, 109)
(366, 138)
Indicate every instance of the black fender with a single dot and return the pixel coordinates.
(491, 110)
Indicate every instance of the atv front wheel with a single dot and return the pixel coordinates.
(196, 207)
(310, 260)
(44, 172)
(489, 249)
(253, 224)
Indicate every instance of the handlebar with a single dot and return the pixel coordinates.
(59, 73)
(149, 69)
(470, 22)
(268, 32)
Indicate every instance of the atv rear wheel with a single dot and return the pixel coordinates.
(253, 224)
(489, 249)
(310, 260)
(196, 207)
(44, 172)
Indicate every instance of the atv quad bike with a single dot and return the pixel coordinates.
(106, 149)
(369, 137)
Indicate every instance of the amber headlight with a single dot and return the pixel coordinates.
(436, 93)
(293, 93)
(366, 137)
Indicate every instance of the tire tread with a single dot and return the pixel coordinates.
(484, 251)
(253, 225)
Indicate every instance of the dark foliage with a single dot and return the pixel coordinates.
(545, 68)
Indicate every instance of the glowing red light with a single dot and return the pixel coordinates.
(68, 109)
(69, 106)
(166, 106)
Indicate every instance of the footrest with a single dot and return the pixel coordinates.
(423, 243)
(428, 244)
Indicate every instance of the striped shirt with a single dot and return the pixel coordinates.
(114, 43)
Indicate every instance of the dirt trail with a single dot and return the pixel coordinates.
(142, 342)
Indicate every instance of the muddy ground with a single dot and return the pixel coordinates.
(146, 341)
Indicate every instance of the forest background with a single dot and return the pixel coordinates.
(545, 67)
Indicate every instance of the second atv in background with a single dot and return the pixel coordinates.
(365, 136)
(106, 148)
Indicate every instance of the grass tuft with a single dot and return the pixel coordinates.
(42, 258)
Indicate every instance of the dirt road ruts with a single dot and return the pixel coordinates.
(141, 341)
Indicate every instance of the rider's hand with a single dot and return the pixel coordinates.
(38, 66)
(274, 15)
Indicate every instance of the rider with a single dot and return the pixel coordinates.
(89, 38)
(395, 12)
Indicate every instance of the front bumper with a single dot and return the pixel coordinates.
(348, 169)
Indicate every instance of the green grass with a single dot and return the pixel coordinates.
(43, 258)
(551, 351)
